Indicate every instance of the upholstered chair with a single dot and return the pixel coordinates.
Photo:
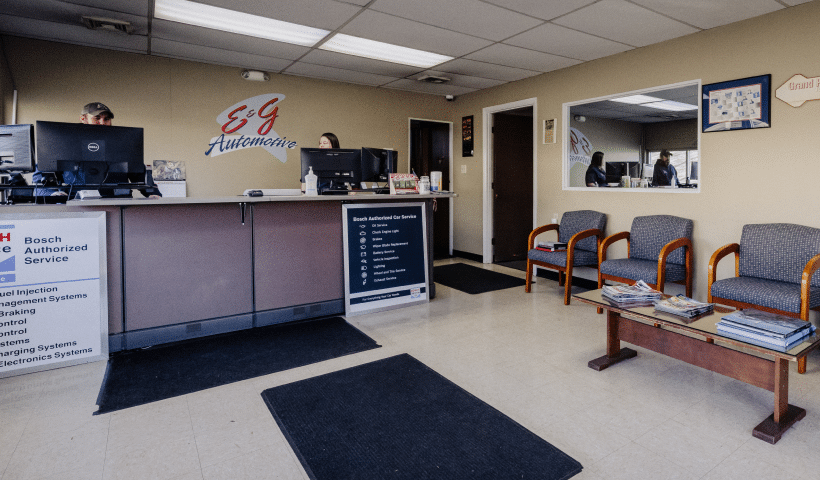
(582, 231)
(775, 266)
(659, 250)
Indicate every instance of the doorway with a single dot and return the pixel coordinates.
(509, 180)
(431, 151)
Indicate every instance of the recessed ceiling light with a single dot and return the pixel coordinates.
(216, 18)
(671, 105)
(362, 47)
(636, 99)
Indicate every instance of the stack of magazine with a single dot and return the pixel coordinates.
(684, 306)
(639, 294)
(770, 330)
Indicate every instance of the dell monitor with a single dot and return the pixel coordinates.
(334, 167)
(616, 170)
(378, 164)
(16, 148)
(97, 154)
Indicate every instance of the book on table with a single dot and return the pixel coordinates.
(770, 330)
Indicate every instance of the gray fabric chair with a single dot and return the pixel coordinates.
(659, 250)
(582, 230)
(775, 269)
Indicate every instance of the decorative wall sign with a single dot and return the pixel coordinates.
(799, 90)
(467, 136)
(249, 123)
(737, 104)
(549, 130)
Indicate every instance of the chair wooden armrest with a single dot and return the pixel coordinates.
(716, 257)
(609, 241)
(665, 252)
(805, 285)
(578, 237)
(539, 231)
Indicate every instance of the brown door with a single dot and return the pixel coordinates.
(512, 184)
(430, 151)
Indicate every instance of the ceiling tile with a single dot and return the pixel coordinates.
(218, 56)
(407, 33)
(68, 14)
(550, 38)
(461, 80)
(501, 54)
(134, 7)
(485, 70)
(625, 22)
(180, 32)
(540, 8)
(337, 74)
(326, 14)
(472, 17)
(74, 34)
(361, 64)
(709, 13)
(433, 89)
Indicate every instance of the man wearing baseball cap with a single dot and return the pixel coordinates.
(665, 174)
(95, 113)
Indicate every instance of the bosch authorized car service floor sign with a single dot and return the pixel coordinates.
(53, 291)
(248, 124)
(385, 247)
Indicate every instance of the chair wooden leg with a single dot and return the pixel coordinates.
(600, 286)
(529, 277)
(561, 278)
(568, 285)
(801, 365)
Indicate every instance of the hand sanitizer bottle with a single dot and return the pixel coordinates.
(310, 183)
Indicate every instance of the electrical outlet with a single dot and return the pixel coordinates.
(464, 169)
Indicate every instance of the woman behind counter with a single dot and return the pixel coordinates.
(596, 176)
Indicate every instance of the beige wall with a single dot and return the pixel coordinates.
(751, 176)
(177, 103)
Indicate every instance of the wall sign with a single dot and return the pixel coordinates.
(249, 124)
(467, 136)
(737, 104)
(549, 131)
(385, 255)
(799, 90)
(53, 291)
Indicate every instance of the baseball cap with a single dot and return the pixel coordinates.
(96, 108)
(664, 152)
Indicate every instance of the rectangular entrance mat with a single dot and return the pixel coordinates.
(142, 376)
(473, 280)
(397, 418)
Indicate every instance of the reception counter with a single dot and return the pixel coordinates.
(182, 268)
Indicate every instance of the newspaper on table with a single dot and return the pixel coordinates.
(640, 293)
(766, 322)
(683, 306)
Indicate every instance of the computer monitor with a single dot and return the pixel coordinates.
(693, 171)
(616, 170)
(103, 154)
(334, 167)
(16, 148)
(378, 164)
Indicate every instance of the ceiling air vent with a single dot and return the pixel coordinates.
(433, 79)
(110, 24)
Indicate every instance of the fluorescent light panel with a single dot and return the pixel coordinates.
(362, 47)
(671, 105)
(636, 99)
(216, 18)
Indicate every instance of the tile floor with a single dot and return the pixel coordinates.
(526, 354)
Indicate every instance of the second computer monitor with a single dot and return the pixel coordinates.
(378, 164)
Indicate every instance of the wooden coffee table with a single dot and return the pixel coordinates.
(697, 341)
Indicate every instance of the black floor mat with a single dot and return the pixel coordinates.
(473, 280)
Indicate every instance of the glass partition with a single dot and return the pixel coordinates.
(631, 129)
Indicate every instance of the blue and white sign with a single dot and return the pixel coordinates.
(385, 247)
(53, 293)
